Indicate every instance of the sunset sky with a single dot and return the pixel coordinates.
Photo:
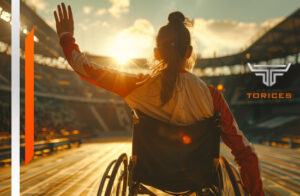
(128, 27)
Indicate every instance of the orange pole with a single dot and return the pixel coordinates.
(29, 96)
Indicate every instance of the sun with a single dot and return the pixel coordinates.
(128, 45)
(122, 48)
(122, 58)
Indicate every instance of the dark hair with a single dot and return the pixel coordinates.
(173, 40)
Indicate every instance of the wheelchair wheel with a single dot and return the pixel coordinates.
(234, 178)
(114, 180)
(238, 182)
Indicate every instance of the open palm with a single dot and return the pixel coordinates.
(64, 20)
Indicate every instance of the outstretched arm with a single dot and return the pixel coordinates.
(119, 83)
(240, 147)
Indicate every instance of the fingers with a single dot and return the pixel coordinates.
(60, 13)
(70, 14)
(56, 18)
(64, 11)
(64, 19)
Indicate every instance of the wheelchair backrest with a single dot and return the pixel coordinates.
(175, 158)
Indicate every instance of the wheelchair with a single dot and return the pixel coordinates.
(173, 160)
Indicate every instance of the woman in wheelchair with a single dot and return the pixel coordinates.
(178, 121)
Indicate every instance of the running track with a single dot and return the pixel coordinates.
(77, 171)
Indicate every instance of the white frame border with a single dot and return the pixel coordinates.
(15, 97)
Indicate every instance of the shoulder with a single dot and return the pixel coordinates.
(195, 81)
(213, 90)
(192, 77)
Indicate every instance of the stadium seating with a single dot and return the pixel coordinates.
(65, 104)
(62, 104)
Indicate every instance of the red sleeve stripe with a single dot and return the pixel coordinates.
(68, 44)
(240, 147)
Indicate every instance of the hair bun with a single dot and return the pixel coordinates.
(176, 18)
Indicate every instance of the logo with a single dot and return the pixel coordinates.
(269, 72)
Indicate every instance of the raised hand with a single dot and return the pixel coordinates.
(64, 20)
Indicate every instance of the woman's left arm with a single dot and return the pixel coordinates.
(117, 82)
(241, 148)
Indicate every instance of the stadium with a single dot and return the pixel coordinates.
(70, 109)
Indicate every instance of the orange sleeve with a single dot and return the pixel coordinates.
(116, 82)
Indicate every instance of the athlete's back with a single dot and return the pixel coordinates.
(170, 93)
(191, 102)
